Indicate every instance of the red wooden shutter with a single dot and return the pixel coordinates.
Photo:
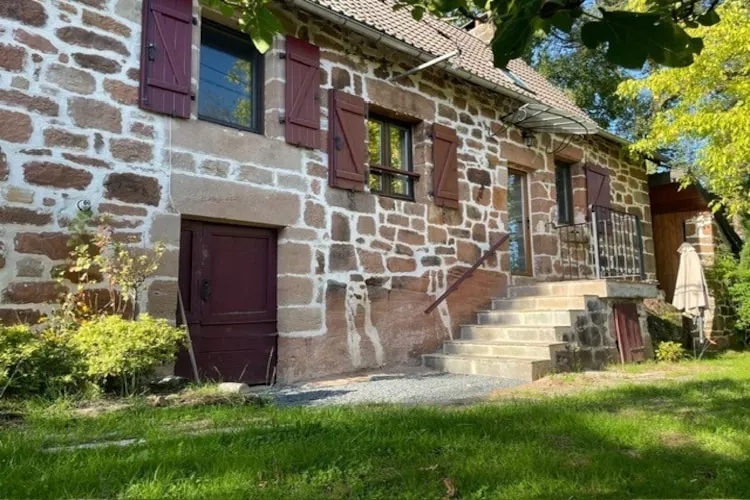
(165, 56)
(346, 140)
(444, 159)
(628, 328)
(302, 93)
(597, 186)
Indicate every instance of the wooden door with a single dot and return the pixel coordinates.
(628, 329)
(669, 232)
(228, 284)
(518, 223)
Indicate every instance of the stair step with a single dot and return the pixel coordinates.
(514, 333)
(559, 288)
(600, 288)
(527, 318)
(525, 369)
(539, 303)
(536, 349)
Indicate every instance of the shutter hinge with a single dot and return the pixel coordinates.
(282, 55)
(192, 96)
(195, 20)
(429, 134)
(282, 118)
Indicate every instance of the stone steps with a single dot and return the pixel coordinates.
(538, 303)
(526, 349)
(526, 369)
(559, 289)
(527, 317)
(514, 333)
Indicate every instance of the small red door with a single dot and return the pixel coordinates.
(228, 284)
(628, 328)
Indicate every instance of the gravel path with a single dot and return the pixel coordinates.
(412, 387)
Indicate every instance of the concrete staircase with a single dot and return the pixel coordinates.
(519, 336)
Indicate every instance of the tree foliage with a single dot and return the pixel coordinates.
(656, 32)
(590, 79)
(702, 116)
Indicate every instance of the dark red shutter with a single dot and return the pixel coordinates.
(346, 140)
(445, 161)
(302, 93)
(628, 328)
(165, 56)
(597, 186)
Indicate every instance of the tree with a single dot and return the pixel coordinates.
(702, 117)
(656, 32)
(590, 79)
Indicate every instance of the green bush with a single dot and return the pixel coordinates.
(670, 352)
(119, 353)
(729, 280)
(36, 362)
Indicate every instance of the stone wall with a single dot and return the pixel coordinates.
(704, 234)
(355, 270)
(592, 344)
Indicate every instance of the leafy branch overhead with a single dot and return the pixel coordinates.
(632, 32)
(646, 30)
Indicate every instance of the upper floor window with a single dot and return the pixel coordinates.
(231, 79)
(564, 185)
(390, 158)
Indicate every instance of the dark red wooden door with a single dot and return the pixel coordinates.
(228, 284)
(628, 328)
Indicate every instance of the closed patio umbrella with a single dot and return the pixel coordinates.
(691, 291)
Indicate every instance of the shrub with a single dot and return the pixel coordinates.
(670, 352)
(119, 353)
(36, 363)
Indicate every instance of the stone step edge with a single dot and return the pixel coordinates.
(535, 311)
(560, 328)
(497, 359)
(514, 343)
(537, 297)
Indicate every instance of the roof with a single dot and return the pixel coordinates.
(437, 38)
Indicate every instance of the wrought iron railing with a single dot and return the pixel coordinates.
(618, 243)
(608, 245)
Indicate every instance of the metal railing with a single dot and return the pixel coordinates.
(609, 245)
(468, 273)
(576, 255)
(618, 243)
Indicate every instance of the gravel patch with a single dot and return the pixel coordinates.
(415, 387)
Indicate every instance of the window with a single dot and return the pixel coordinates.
(230, 79)
(564, 187)
(389, 157)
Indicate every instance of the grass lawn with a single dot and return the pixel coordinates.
(686, 436)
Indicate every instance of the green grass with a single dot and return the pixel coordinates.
(676, 438)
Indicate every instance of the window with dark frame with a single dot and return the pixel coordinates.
(390, 158)
(564, 185)
(231, 79)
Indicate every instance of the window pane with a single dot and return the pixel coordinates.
(398, 147)
(374, 142)
(226, 82)
(564, 195)
(375, 181)
(400, 185)
(517, 223)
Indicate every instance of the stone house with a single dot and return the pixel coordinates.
(316, 200)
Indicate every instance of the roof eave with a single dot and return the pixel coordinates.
(343, 20)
